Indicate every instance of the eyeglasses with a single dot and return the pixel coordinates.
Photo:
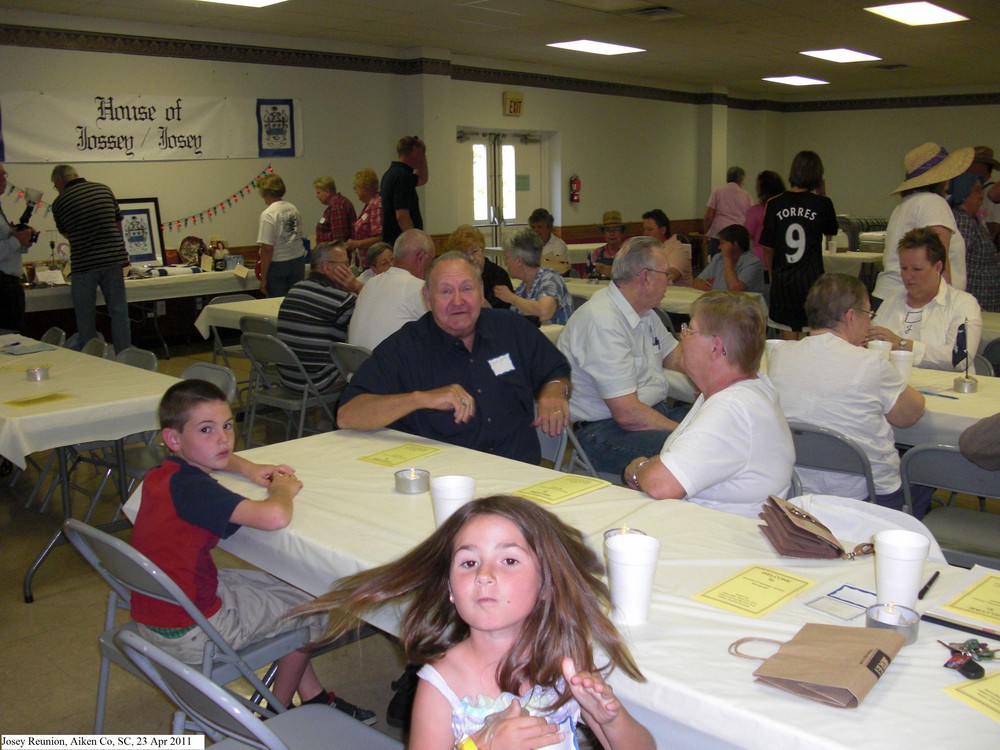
(654, 270)
(687, 330)
(869, 313)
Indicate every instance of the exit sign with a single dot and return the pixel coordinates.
(513, 103)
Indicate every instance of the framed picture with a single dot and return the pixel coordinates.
(141, 230)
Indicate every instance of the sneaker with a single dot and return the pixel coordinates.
(355, 712)
(398, 713)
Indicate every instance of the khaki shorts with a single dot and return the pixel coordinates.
(254, 605)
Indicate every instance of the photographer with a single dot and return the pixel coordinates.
(14, 242)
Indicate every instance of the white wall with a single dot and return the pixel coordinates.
(631, 154)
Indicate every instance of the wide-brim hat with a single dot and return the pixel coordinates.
(612, 219)
(984, 155)
(930, 164)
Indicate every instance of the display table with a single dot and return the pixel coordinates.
(696, 694)
(229, 314)
(149, 290)
(85, 399)
(948, 414)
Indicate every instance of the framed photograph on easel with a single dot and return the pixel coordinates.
(141, 230)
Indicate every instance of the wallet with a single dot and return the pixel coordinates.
(795, 533)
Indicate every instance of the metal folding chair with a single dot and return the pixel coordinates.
(266, 352)
(136, 357)
(127, 570)
(219, 349)
(348, 358)
(55, 336)
(966, 536)
(220, 714)
(828, 450)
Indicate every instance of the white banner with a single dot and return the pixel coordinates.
(38, 127)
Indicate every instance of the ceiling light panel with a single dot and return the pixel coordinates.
(840, 55)
(796, 81)
(596, 48)
(916, 14)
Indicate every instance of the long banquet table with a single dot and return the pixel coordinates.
(677, 299)
(946, 413)
(85, 399)
(348, 518)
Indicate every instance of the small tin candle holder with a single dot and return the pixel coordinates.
(891, 616)
(37, 374)
(413, 481)
(966, 385)
(622, 530)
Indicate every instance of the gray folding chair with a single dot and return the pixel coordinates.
(664, 316)
(258, 324)
(992, 353)
(966, 536)
(73, 342)
(219, 349)
(220, 714)
(98, 348)
(348, 358)
(55, 336)
(578, 301)
(265, 353)
(828, 450)
(127, 570)
(217, 375)
(982, 366)
(566, 454)
(136, 357)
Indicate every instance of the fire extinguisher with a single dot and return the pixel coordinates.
(574, 189)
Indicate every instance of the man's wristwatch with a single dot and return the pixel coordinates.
(903, 343)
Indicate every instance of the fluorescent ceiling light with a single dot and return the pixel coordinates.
(796, 81)
(596, 48)
(840, 55)
(246, 3)
(916, 14)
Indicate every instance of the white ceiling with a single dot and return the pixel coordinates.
(704, 45)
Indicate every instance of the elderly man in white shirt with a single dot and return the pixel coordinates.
(618, 349)
(925, 316)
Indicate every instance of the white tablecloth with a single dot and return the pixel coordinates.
(697, 695)
(144, 290)
(228, 314)
(945, 419)
(103, 400)
(850, 263)
(677, 299)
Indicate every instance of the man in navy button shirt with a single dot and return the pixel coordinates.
(463, 374)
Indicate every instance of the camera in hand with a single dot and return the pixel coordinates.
(22, 223)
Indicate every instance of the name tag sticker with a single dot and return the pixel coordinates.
(501, 364)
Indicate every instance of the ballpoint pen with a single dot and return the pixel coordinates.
(927, 586)
(939, 395)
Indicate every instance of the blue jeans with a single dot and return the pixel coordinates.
(283, 275)
(920, 495)
(611, 448)
(83, 289)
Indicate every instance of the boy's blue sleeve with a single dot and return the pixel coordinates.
(202, 501)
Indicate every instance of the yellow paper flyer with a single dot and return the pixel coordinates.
(561, 489)
(980, 600)
(406, 453)
(755, 591)
(983, 695)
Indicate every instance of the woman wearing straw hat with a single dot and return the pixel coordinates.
(928, 170)
(601, 259)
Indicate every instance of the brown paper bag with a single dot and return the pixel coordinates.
(828, 663)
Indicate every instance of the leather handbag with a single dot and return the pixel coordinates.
(795, 533)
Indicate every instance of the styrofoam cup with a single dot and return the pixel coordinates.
(449, 493)
(632, 560)
(899, 566)
(882, 347)
(903, 362)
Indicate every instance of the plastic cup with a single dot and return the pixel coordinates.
(899, 566)
(903, 362)
(632, 559)
(882, 347)
(450, 493)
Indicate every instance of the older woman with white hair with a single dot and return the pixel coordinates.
(542, 293)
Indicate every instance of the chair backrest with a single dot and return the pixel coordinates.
(992, 352)
(664, 316)
(945, 468)
(796, 488)
(218, 375)
(97, 348)
(578, 301)
(215, 710)
(553, 447)
(126, 570)
(982, 366)
(73, 342)
(348, 358)
(267, 349)
(828, 450)
(55, 336)
(138, 358)
(224, 298)
(258, 324)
